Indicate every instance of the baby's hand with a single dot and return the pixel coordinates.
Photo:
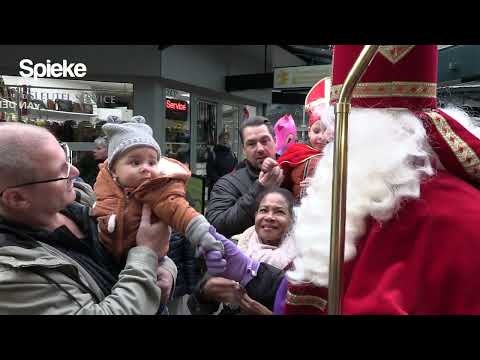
(268, 164)
(197, 233)
(306, 182)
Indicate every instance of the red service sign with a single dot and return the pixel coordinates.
(176, 109)
(177, 105)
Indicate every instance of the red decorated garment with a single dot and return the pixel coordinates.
(293, 163)
(425, 260)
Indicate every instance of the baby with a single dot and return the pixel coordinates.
(135, 174)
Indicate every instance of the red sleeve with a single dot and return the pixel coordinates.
(424, 260)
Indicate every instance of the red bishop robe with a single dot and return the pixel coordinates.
(424, 260)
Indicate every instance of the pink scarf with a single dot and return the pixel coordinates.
(279, 256)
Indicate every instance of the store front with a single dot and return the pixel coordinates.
(177, 125)
(179, 89)
(194, 122)
(74, 111)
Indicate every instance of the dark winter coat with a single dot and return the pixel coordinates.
(182, 252)
(220, 162)
(88, 168)
(232, 205)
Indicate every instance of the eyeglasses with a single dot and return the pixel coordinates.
(68, 157)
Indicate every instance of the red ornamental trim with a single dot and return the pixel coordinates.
(306, 300)
(389, 89)
(463, 152)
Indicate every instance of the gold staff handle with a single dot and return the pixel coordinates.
(339, 184)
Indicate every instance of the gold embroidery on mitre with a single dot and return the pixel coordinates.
(389, 89)
(306, 300)
(395, 53)
(463, 152)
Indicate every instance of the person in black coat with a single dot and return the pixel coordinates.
(182, 252)
(88, 164)
(221, 160)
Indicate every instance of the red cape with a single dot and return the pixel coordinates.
(295, 155)
(422, 261)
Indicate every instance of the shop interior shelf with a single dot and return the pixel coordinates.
(53, 112)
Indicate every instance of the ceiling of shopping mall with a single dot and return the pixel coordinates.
(311, 54)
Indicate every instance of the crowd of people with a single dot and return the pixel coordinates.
(132, 243)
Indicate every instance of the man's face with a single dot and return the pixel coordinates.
(258, 144)
(225, 139)
(52, 196)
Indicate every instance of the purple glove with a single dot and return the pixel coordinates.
(235, 266)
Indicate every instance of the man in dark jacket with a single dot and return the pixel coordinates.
(221, 160)
(50, 259)
(232, 204)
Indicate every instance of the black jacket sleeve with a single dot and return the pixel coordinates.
(263, 287)
(230, 211)
(191, 270)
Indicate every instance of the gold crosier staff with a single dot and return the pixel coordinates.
(339, 184)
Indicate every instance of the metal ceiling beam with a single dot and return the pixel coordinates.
(313, 51)
(317, 55)
(248, 82)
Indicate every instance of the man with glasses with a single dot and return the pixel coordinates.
(68, 165)
(51, 261)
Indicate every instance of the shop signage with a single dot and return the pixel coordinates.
(299, 76)
(5, 105)
(176, 109)
(55, 70)
(176, 105)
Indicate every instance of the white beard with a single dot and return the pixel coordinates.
(463, 118)
(388, 156)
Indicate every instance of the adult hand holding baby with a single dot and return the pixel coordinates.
(155, 236)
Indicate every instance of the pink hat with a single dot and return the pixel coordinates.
(285, 133)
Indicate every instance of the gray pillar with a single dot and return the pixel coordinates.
(193, 135)
(149, 101)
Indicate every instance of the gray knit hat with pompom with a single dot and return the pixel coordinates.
(123, 137)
